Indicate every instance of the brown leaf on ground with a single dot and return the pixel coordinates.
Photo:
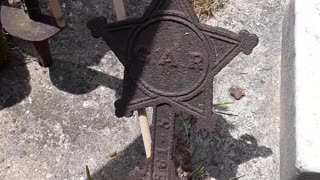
(236, 93)
(113, 155)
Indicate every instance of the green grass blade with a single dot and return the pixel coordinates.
(222, 104)
(88, 173)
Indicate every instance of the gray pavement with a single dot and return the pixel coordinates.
(55, 121)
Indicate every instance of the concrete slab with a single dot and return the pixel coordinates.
(300, 128)
(55, 121)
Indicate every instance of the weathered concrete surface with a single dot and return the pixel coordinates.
(55, 121)
(259, 75)
(300, 145)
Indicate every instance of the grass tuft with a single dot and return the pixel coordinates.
(206, 8)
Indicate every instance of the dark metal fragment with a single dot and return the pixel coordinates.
(170, 60)
(34, 27)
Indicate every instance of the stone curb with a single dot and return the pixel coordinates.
(300, 87)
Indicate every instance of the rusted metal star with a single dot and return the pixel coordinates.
(170, 60)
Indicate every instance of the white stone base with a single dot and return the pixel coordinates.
(300, 91)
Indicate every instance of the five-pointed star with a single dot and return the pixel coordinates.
(170, 57)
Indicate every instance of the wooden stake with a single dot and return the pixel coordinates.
(56, 12)
(145, 131)
(118, 7)
(142, 115)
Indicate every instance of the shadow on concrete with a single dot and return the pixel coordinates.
(220, 153)
(79, 79)
(14, 81)
(309, 176)
(78, 50)
(74, 50)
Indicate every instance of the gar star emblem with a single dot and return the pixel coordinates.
(170, 59)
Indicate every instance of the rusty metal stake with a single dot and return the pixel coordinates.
(170, 60)
(43, 50)
(31, 26)
(3, 49)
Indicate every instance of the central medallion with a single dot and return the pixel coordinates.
(174, 61)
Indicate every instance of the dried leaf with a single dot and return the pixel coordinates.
(236, 93)
(113, 155)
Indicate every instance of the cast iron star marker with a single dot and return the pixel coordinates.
(170, 59)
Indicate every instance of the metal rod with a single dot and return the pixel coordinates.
(3, 48)
(43, 50)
